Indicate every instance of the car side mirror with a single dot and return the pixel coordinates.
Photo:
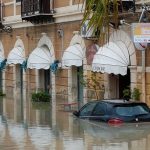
(76, 113)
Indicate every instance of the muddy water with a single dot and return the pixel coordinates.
(27, 126)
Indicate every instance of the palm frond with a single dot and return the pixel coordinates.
(99, 13)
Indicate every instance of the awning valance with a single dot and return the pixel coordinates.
(40, 58)
(111, 59)
(73, 56)
(16, 56)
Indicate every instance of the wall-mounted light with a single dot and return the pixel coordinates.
(60, 32)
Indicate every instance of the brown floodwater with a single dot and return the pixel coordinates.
(38, 126)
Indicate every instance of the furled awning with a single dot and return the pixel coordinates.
(2, 59)
(16, 56)
(40, 58)
(115, 56)
(1, 55)
(73, 56)
(111, 59)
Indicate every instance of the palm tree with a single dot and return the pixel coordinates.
(100, 13)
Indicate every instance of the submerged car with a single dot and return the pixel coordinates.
(115, 111)
(125, 132)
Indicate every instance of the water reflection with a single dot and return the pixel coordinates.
(28, 126)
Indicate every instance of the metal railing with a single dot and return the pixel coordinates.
(33, 7)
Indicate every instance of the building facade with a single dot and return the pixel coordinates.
(41, 34)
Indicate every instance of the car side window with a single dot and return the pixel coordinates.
(100, 109)
(87, 110)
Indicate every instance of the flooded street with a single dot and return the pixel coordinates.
(27, 126)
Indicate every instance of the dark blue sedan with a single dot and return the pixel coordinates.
(115, 111)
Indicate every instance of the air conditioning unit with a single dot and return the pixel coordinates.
(87, 32)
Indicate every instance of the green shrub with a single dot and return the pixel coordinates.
(41, 97)
(127, 93)
(136, 94)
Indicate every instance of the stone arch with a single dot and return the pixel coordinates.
(77, 39)
(46, 41)
(123, 37)
(19, 43)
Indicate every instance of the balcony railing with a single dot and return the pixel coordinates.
(37, 11)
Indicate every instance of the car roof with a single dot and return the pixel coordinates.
(120, 101)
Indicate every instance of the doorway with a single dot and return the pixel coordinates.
(45, 80)
(19, 79)
(77, 87)
(117, 83)
(124, 82)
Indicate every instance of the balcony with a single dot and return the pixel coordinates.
(37, 11)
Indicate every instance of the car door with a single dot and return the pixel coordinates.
(86, 111)
(100, 112)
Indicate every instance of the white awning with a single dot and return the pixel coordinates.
(111, 59)
(16, 56)
(1, 55)
(73, 56)
(40, 58)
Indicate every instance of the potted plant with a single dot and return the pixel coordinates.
(135, 95)
(127, 93)
(41, 97)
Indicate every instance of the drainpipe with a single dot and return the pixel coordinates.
(143, 76)
(143, 60)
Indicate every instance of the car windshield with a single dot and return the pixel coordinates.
(132, 110)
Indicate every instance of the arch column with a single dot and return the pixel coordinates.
(3, 82)
(53, 86)
(45, 41)
(24, 85)
(70, 99)
(14, 81)
(37, 82)
(76, 39)
(133, 76)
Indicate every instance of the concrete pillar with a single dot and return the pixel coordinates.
(84, 88)
(14, 81)
(53, 82)
(3, 82)
(70, 97)
(37, 80)
(24, 85)
(106, 85)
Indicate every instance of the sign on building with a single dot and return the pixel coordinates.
(141, 32)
